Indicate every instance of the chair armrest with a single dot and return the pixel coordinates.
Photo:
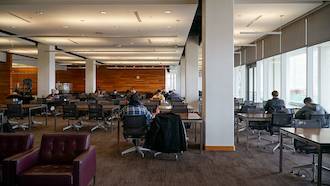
(20, 163)
(84, 167)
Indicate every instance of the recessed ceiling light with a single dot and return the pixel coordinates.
(82, 20)
(103, 12)
(178, 20)
(12, 27)
(65, 26)
(167, 11)
(169, 27)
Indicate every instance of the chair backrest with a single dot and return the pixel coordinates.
(180, 108)
(62, 148)
(135, 126)
(297, 123)
(70, 111)
(11, 144)
(282, 119)
(14, 110)
(95, 111)
(324, 119)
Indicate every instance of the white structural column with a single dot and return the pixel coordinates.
(46, 69)
(218, 66)
(191, 54)
(90, 76)
(182, 77)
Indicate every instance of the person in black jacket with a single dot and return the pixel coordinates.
(275, 104)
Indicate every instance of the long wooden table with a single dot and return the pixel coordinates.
(105, 107)
(318, 137)
(30, 108)
(250, 117)
(194, 118)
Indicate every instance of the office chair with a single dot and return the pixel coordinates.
(15, 115)
(95, 112)
(258, 125)
(70, 112)
(307, 149)
(135, 128)
(280, 120)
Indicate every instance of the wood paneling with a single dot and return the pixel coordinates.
(74, 76)
(19, 74)
(143, 80)
(5, 69)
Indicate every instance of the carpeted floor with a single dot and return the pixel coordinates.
(256, 166)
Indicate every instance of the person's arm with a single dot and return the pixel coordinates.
(300, 114)
(266, 107)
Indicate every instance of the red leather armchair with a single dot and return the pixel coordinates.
(61, 160)
(11, 146)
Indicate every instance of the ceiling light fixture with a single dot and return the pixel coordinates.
(136, 13)
(103, 12)
(65, 26)
(253, 21)
(40, 12)
(167, 11)
(260, 33)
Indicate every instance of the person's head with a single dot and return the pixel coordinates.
(115, 91)
(275, 94)
(158, 91)
(133, 91)
(134, 100)
(308, 101)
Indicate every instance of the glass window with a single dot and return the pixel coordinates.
(296, 77)
(325, 76)
(260, 81)
(272, 76)
(239, 81)
(252, 83)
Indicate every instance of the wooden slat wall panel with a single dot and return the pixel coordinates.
(5, 69)
(121, 80)
(19, 74)
(74, 76)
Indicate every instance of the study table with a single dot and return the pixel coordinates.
(30, 108)
(194, 118)
(251, 117)
(318, 137)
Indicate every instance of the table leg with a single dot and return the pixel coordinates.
(319, 167)
(281, 152)
(118, 132)
(237, 137)
(46, 116)
(195, 133)
(55, 124)
(30, 119)
(247, 135)
(202, 137)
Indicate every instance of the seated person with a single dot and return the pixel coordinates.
(99, 92)
(114, 94)
(275, 104)
(135, 107)
(308, 109)
(158, 96)
(53, 95)
(172, 96)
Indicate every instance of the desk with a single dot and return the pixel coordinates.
(105, 107)
(30, 108)
(249, 117)
(318, 137)
(194, 118)
(168, 108)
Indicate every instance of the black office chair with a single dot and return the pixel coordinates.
(280, 120)
(151, 107)
(307, 149)
(180, 108)
(95, 112)
(135, 128)
(70, 113)
(16, 115)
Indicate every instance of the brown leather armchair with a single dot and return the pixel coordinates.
(11, 146)
(61, 160)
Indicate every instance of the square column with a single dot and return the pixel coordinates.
(218, 67)
(46, 69)
(90, 76)
(191, 53)
(183, 77)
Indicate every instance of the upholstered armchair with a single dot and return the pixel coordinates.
(11, 146)
(62, 160)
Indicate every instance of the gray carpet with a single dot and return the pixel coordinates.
(256, 166)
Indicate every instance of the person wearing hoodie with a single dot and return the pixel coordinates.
(308, 109)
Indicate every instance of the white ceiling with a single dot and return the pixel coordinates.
(267, 17)
(151, 31)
